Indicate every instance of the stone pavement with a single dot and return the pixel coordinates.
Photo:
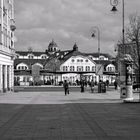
(78, 116)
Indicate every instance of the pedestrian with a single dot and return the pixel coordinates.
(82, 83)
(107, 83)
(115, 84)
(66, 87)
(92, 86)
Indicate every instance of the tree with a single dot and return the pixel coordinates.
(132, 42)
(53, 65)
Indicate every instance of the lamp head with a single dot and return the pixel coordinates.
(114, 9)
(93, 35)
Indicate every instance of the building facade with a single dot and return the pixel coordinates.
(7, 27)
(53, 66)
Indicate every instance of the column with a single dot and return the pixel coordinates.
(0, 78)
(8, 78)
(5, 78)
(12, 78)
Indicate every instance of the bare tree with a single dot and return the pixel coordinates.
(53, 65)
(132, 42)
(133, 34)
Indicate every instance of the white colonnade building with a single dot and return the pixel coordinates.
(7, 51)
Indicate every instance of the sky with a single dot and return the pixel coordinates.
(68, 22)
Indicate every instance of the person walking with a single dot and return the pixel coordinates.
(82, 85)
(66, 87)
(92, 86)
(115, 84)
(107, 83)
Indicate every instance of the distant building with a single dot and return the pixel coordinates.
(55, 66)
(7, 50)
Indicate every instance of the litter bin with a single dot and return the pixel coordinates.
(123, 92)
(103, 87)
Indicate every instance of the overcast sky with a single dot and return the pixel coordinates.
(70, 21)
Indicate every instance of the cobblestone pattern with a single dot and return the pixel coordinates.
(79, 116)
(70, 122)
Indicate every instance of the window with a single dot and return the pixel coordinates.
(72, 68)
(24, 79)
(78, 60)
(30, 56)
(72, 60)
(102, 58)
(94, 68)
(79, 68)
(110, 69)
(43, 56)
(65, 68)
(86, 60)
(87, 68)
(22, 67)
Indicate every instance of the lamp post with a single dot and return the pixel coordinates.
(127, 62)
(55, 61)
(114, 3)
(94, 35)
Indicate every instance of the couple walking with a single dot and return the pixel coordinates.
(66, 87)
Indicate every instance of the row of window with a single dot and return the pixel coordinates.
(32, 57)
(79, 60)
(79, 68)
(110, 69)
(73, 68)
(22, 67)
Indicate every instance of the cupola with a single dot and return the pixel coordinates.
(52, 47)
(75, 47)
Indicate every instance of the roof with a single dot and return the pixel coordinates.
(25, 53)
(30, 62)
(97, 55)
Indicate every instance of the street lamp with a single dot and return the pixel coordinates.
(114, 3)
(126, 62)
(94, 35)
(55, 61)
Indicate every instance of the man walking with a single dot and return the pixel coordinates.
(92, 86)
(82, 85)
(66, 87)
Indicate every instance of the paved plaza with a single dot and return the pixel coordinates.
(78, 116)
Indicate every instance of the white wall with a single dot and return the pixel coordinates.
(69, 63)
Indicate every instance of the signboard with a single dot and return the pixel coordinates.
(99, 69)
(129, 74)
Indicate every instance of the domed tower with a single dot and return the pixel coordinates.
(52, 47)
(75, 47)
